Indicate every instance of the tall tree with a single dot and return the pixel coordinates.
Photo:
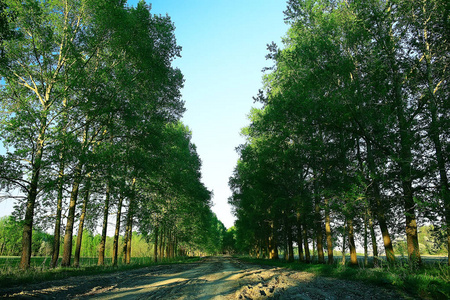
(40, 59)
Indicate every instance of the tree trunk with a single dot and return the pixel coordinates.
(101, 249)
(57, 232)
(305, 242)
(273, 250)
(175, 246)
(273, 247)
(129, 236)
(378, 207)
(129, 232)
(328, 233)
(314, 249)
(319, 232)
(168, 244)
(290, 245)
(299, 239)
(374, 242)
(67, 251)
(167, 250)
(161, 243)
(388, 248)
(351, 243)
(412, 238)
(366, 254)
(155, 251)
(172, 246)
(343, 244)
(125, 242)
(117, 233)
(31, 200)
(405, 161)
(76, 261)
(130, 223)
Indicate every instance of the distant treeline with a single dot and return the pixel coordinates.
(42, 243)
(431, 242)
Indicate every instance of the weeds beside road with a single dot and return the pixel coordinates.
(249, 276)
(11, 275)
(221, 277)
(429, 281)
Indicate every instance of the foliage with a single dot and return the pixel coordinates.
(229, 241)
(433, 238)
(11, 239)
(90, 119)
(351, 133)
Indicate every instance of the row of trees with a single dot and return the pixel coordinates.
(353, 135)
(142, 246)
(90, 110)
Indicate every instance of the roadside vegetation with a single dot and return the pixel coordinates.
(350, 145)
(90, 124)
(429, 281)
(142, 255)
(40, 271)
(349, 148)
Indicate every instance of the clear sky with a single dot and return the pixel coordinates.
(224, 48)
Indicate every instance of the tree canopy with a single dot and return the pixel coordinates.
(90, 120)
(353, 133)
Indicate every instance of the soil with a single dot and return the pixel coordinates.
(211, 278)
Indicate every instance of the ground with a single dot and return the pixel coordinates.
(210, 278)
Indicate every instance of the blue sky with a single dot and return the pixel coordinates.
(224, 48)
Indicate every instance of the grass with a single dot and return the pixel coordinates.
(39, 271)
(429, 281)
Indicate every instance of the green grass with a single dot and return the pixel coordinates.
(44, 261)
(11, 275)
(430, 281)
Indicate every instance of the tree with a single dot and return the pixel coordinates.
(74, 70)
(354, 104)
(40, 60)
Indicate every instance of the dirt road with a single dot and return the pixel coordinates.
(211, 278)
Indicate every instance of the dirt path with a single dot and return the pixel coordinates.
(212, 278)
